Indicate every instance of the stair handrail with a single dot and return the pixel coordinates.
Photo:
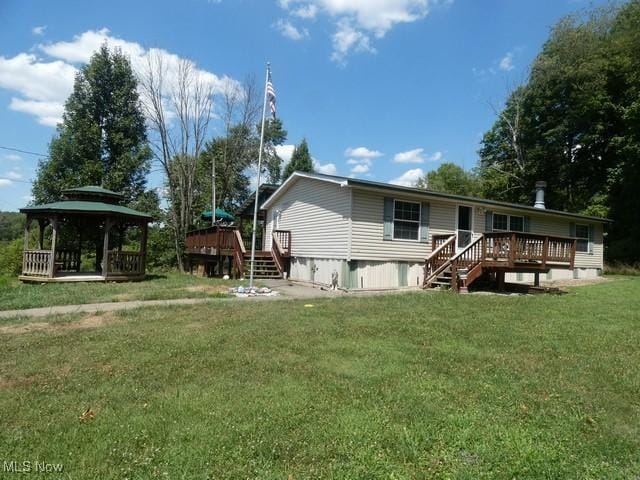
(277, 252)
(430, 273)
(477, 258)
(239, 252)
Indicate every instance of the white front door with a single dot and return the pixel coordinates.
(464, 231)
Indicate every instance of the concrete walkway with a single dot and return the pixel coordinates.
(287, 290)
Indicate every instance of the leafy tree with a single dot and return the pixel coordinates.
(451, 178)
(11, 225)
(102, 138)
(300, 160)
(274, 135)
(579, 125)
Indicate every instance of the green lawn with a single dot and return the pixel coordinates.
(420, 385)
(15, 295)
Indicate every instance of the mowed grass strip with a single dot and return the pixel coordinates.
(399, 386)
(158, 286)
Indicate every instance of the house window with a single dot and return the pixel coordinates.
(582, 236)
(406, 220)
(503, 223)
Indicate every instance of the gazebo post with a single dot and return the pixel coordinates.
(54, 237)
(143, 248)
(105, 247)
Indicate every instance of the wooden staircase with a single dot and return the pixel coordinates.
(265, 266)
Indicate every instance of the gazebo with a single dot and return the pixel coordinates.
(87, 216)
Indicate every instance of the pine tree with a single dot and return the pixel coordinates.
(102, 138)
(300, 160)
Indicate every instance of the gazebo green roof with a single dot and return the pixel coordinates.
(80, 206)
(88, 200)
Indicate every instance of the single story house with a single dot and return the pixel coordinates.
(378, 235)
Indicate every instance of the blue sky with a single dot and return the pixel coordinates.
(381, 89)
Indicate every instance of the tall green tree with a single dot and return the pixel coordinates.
(102, 138)
(274, 135)
(451, 178)
(300, 160)
(578, 125)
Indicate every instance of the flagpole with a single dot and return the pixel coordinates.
(255, 206)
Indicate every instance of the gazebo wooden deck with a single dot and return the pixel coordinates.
(88, 215)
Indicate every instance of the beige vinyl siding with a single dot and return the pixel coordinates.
(317, 214)
(368, 230)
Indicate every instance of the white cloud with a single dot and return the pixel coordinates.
(358, 20)
(360, 169)
(417, 155)
(39, 30)
(347, 39)
(13, 175)
(408, 178)
(12, 157)
(506, 62)
(359, 161)
(4, 182)
(285, 152)
(362, 153)
(290, 31)
(42, 86)
(327, 168)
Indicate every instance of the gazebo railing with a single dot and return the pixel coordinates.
(36, 262)
(67, 261)
(124, 263)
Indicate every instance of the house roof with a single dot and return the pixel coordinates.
(246, 207)
(427, 194)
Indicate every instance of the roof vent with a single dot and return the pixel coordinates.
(540, 186)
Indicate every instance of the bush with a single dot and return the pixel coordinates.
(11, 257)
(619, 268)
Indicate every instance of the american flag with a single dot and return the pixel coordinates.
(271, 96)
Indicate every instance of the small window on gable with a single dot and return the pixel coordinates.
(582, 236)
(406, 220)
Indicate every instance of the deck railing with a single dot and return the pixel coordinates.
(521, 248)
(36, 263)
(443, 248)
(124, 263)
(284, 238)
(210, 240)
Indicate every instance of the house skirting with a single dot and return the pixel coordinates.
(395, 274)
(358, 273)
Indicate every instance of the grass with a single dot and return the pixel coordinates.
(420, 386)
(17, 295)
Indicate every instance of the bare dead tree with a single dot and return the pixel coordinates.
(178, 104)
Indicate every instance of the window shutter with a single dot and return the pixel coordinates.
(591, 236)
(572, 230)
(388, 218)
(488, 221)
(527, 224)
(424, 222)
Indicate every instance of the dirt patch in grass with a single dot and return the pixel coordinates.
(91, 321)
(212, 289)
(576, 282)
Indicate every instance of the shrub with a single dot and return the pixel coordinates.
(11, 257)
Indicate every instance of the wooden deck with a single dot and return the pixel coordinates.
(216, 249)
(496, 252)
